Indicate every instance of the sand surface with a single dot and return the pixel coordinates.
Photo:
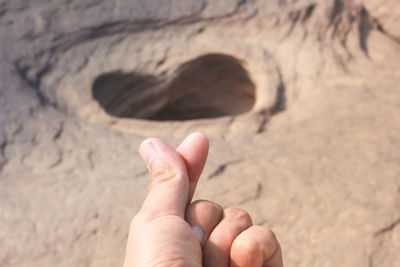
(300, 100)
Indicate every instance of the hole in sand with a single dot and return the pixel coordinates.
(209, 86)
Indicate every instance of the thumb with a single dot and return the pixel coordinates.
(169, 185)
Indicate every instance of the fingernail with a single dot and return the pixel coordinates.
(148, 153)
(199, 234)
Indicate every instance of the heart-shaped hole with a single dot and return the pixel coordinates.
(209, 86)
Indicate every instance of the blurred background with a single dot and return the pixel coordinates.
(300, 100)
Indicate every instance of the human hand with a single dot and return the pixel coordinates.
(169, 230)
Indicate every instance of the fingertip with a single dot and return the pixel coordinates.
(146, 142)
(197, 137)
(147, 151)
(194, 150)
(153, 146)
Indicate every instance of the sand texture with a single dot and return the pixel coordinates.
(300, 100)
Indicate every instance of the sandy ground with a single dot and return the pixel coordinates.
(300, 100)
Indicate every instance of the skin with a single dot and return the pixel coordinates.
(171, 230)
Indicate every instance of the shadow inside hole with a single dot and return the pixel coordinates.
(209, 86)
(127, 95)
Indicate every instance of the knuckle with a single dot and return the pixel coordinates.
(199, 202)
(270, 243)
(199, 206)
(266, 232)
(238, 214)
(257, 240)
(164, 173)
(249, 246)
(205, 205)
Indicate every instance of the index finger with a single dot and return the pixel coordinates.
(194, 151)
